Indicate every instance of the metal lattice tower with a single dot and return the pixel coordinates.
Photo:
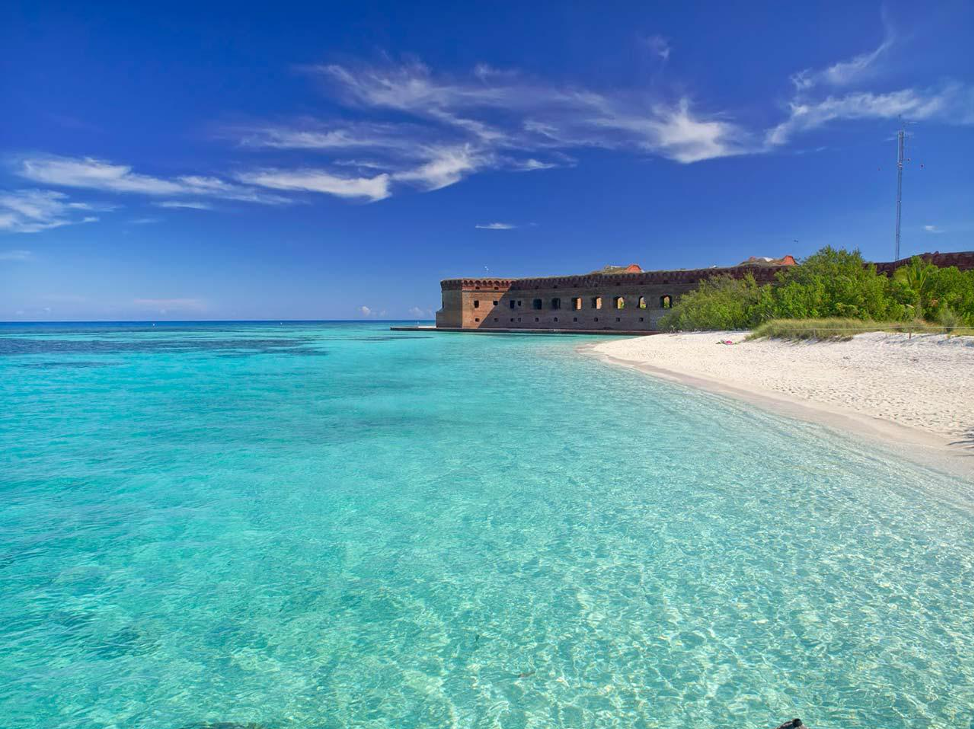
(899, 187)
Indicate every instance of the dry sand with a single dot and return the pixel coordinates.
(913, 393)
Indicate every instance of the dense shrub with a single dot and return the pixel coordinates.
(831, 284)
(721, 302)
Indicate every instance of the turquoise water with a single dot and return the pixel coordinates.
(334, 525)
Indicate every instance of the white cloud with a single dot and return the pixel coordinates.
(312, 180)
(448, 166)
(310, 134)
(926, 104)
(932, 229)
(505, 113)
(495, 226)
(679, 134)
(16, 255)
(145, 221)
(531, 165)
(187, 204)
(32, 211)
(413, 127)
(949, 102)
(846, 73)
(95, 174)
(366, 311)
(421, 313)
(452, 126)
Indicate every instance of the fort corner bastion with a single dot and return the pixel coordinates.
(616, 299)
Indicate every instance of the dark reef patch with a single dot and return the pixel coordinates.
(15, 346)
(62, 365)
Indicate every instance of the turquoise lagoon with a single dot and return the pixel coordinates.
(335, 525)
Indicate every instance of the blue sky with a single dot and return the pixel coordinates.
(199, 161)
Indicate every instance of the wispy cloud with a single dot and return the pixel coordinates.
(187, 204)
(933, 229)
(402, 126)
(317, 180)
(16, 255)
(951, 102)
(421, 313)
(412, 126)
(95, 174)
(33, 211)
(452, 127)
(447, 166)
(508, 113)
(823, 95)
(853, 70)
(145, 221)
(495, 226)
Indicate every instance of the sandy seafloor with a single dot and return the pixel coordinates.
(913, 394)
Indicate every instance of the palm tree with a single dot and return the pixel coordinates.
(917, 276)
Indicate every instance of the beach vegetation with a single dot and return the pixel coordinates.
(832, 285)
(845, 329)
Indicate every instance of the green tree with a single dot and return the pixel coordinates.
(913, 285)
(950, 289)
(721, 302)
(832, 283)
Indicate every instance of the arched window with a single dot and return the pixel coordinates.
(577, 303)
(476, 304)
(642, 302)
(666, 301)
(596, 302)
(536, 304)
(556, 303)
(619, 302)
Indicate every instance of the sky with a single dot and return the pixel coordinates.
(185, 161)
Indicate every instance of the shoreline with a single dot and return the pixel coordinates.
(943, 452)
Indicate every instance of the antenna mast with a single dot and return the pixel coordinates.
(899, 186)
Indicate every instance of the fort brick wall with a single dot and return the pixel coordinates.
(599, 301)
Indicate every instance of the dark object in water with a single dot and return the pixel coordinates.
(793, 724)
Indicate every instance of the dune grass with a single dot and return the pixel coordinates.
(845, 329)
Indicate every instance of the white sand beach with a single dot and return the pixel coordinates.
(916, 392)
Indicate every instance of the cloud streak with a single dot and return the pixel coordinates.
(495, 226)
(404, 126)
(414, 127)
(317, 180)
(33, 211)
(184, 204)
(915, 104)
(95, 174)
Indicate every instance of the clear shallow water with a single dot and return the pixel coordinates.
(317, 525)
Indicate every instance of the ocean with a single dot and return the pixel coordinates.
(334, 525)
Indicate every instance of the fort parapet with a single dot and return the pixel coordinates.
(615, 299)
